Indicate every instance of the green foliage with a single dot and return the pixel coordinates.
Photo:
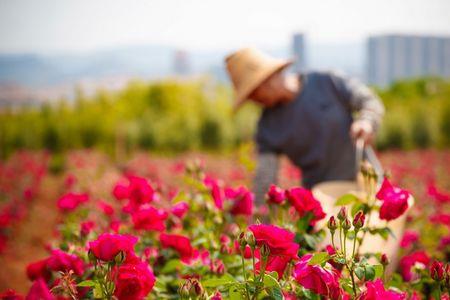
(197, 115)
(417, 114)
(163, 116)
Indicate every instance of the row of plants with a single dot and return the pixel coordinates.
(179, 116)
(198, 237)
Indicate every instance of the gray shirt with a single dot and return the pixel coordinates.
(313, 130)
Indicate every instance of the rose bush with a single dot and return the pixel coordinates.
(199, 237)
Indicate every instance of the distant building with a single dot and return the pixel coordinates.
(298, 49)
(181, 63)
(394, 57)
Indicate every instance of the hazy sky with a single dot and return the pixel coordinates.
(74, 25)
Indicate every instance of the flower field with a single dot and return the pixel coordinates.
(188, 228)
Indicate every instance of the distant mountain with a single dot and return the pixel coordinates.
(59, 73)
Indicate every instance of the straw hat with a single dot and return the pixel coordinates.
(248, 68)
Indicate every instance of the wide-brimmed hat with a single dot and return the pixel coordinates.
(248, 68)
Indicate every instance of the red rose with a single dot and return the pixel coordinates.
(138, 191)
(62, 261)
(395, 201)
(275, 194)
(39, 269)
(180, 209)
(149, 219)
(375, 291)
(437, 271)
(409, 237)
(408, 261)
(10, 294)
(215, 190)
(134, 280)
(107, 246)
(440, 218)
(106, 208)
(304, 202)
(275, 263)
(39, 291)
(243, 201)
(280, 241)
(316, 278)
(179, 243)
(71, 201)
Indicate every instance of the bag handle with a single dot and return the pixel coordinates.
(361, 149)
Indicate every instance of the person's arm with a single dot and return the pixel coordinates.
(266, 174)
(364, 102)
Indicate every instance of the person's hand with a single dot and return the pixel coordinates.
(362, 129)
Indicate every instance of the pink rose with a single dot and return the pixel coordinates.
(179, 243)
(305, 203)
(275, 194)
(375, 291)
(408, 261)
(138, 191)
(216, 192)
(39, 269)
(39, 291)
(243, 201)
(149, 219)
(280, 241)
(108, 245)
(316, 278)
(395, 201)
(62, 261)
(409, 237)
(71, 201)
(180, 209)
(135, 280)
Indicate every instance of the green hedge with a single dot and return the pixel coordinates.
(180, 115)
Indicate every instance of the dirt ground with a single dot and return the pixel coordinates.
(31, 234)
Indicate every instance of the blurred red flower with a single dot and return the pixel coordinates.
(395, 201)
(305, 203)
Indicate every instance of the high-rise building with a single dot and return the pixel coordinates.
(298, 49)
(394, 57)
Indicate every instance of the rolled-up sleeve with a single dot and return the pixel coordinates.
(359, 98)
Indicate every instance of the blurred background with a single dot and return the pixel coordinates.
(147, 74)
(93, 89)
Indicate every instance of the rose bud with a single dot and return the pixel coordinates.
(358, 220)
(346, 225)
(196, 289)
(342, 215)
(384, 259)
(437, 271)
(447, 274)
(332, 224)
(250, 239)
(242, 242)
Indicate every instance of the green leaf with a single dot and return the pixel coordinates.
(378, 271)
(276, 293)
(87, 283)
(319, 258)
(346, 200)
(339, 260)
(359, 271)
(171, 266)
(235, 293)
(369, 272)
(270, 281)
(215, 282)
